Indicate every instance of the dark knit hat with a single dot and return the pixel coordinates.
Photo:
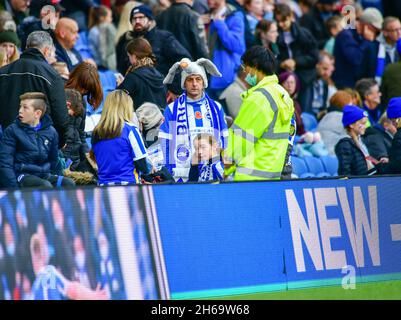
(352, 114)
(9, 36)
(144, 9)
(394, 108)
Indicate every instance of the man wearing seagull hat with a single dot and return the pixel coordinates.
(193, 112)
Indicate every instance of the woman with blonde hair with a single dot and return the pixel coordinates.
(117, 145)
(3, 57)
(125, 24)
(10, 42)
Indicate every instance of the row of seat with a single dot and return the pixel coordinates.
(311, 167)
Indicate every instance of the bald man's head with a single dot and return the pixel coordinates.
(67, 32)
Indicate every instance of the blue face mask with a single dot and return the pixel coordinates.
(251, 80)
(269, 16)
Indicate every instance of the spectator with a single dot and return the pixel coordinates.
(62, 69)
(238, 4)
(32, 73)
(76, 146)
(316, 18)
(353, 155)
(187, 26)
(298, 51)
(391, 33)
(349, 50)
(165, 46)
(17, 8)
(254, 12)
(64, 289)
(266, 35)
(29, 147)
(394, 114)
(9, 41)
(356, 98)
(101, 37)
(378, 138)
(231, 98)
(85, 79)
(40, 14)
(334, 26)
(117, 144)
(143, 82)
(124, 23)
(226, 43)
(65, 37)
(370, 94)
(330, 126)
(206, 162)
(390, 87)
(291, 83)
(192, 113)
(258, 139)
(323, 86)
(78, 10)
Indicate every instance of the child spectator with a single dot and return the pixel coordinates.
(76, 146)
(29, 147)
(62, 69)
(101, 37)
(206, 163)
(117, 144)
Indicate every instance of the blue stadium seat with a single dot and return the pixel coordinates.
(330, 164)
(309, 121)
(307, 175)
(314, 165)
(298, 166)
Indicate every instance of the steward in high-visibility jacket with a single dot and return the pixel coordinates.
(258, 138)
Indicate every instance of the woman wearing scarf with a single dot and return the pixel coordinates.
(194, 112)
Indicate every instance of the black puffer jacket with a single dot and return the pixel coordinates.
(187, 27)
(24, 150)
(351, 160)
(378, 142)
(304, 51)
(165, 47)
(145, 84)
(76, 146)
(32, 73)
(395, 153)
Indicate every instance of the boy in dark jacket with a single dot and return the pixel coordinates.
(29, 147)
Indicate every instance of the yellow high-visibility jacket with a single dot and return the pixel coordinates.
(258, 138)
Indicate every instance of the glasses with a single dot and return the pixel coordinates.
(141, 18)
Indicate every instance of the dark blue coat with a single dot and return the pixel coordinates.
(349, 51)
(24, 150)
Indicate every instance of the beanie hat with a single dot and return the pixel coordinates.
(9, 36)
(188, 68)
(352, 114)
(144, 9)
(149, 115)
(394, 108)
(372, 16)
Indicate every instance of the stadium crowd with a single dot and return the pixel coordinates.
(125, 92)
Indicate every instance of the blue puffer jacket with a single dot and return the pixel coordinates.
(228, 43)
(24, 150)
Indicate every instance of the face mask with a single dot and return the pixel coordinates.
(251, 80)
(80, 259)
(11, 249)
(269, 16)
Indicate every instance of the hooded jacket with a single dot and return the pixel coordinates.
(23, 150)
(32, 73)
(145, 84)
